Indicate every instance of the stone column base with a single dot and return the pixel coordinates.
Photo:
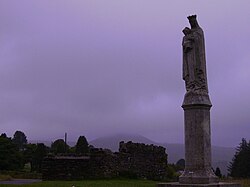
(202, 177)
(177, 184)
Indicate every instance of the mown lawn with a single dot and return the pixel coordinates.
(243, 182)
(89, 183)
(107, 183)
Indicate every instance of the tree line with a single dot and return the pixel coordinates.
(15, 152)
(240, 165)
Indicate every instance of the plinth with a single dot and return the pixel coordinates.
(198, 170)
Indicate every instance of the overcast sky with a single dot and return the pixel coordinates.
(100, 67)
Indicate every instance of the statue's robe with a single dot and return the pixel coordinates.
(194, 62)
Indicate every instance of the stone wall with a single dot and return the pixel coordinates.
(65, 168)
(142, 161)
(133, 160)
(100, 164)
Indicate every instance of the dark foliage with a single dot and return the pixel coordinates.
(82, 146)
(180, 164)
(240, 165)
(28, 152)
(59, 146)
(218, 172)
(37, 158)
(10, 157)
(20, 139)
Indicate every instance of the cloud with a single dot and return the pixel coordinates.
(95, 68)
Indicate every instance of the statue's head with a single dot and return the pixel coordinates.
(193, 22)
(186, 31)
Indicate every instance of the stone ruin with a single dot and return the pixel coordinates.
(134, 160)
(142, 161)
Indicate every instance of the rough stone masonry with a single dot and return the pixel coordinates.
(134, 160)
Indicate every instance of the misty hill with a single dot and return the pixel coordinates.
(48, 143)
(112, 142)
(221, 155)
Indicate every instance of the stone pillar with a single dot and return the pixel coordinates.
(198, 171)
(198, 168)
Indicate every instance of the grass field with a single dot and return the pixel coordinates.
(243, 182)
(90, 183)
(106, 183)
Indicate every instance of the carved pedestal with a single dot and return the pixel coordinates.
(198, 169)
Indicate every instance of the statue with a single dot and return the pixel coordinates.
(196, 105)
(194, 61)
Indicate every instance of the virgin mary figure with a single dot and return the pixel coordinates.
(194, 61)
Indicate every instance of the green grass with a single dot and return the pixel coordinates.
(243, 182)
(107, 183)
(90, 183)
(5, 177)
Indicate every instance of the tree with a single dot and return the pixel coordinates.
(59, 146)
(10, 157)
(3, 135)
(218, 172)
(28, 153)
(240, 165)
(20, 139)
(82, 145)
(180, 164)
(38, 156)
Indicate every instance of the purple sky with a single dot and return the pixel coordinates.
(96, 68)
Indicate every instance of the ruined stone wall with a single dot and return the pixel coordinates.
(100, 164)
(142, 161)
(65, 168)
(133, 160)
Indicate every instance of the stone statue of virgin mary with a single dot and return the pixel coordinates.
(194, 60)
